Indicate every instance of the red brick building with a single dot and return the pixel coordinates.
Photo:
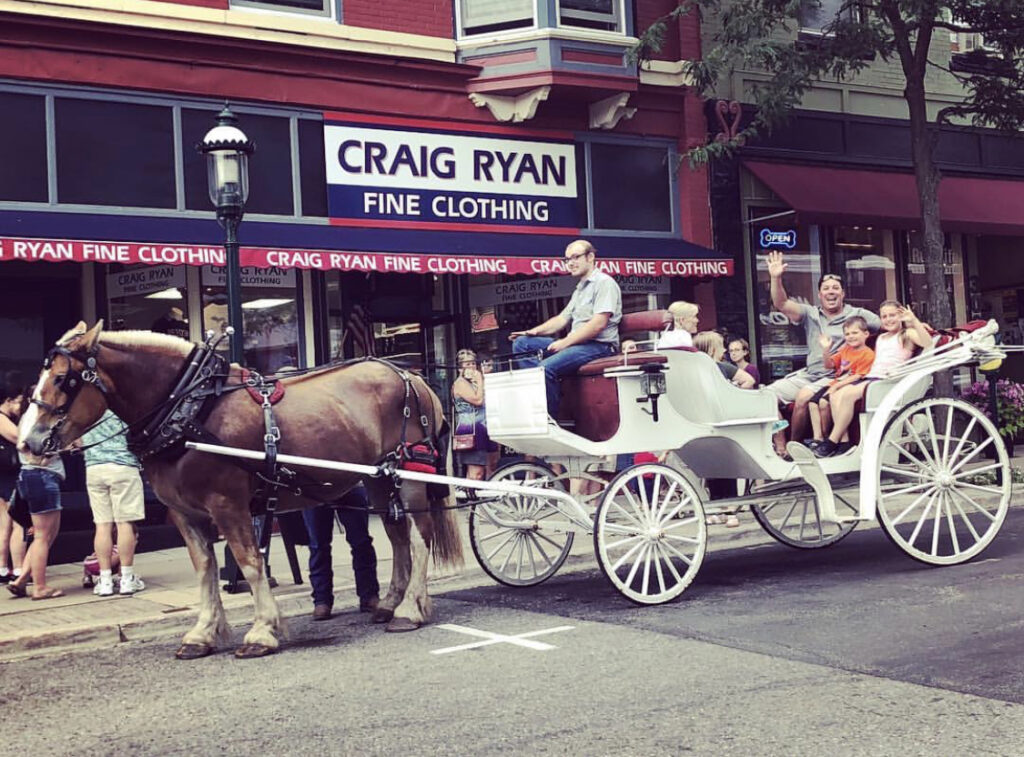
(419, 164)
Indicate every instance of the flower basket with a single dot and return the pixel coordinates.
(1010, 399)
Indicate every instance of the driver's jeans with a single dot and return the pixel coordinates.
(563, 363)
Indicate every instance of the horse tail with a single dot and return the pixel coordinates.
(447, 546)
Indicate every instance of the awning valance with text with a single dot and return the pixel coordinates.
(843, 196)
(82, 251)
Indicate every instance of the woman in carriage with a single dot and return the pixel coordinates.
(902, 334)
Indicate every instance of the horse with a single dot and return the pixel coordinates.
(351, 412)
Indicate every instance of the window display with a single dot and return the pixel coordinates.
(152, 298)
(782, 346)
(270, 311)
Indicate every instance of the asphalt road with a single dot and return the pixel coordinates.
(851, 650)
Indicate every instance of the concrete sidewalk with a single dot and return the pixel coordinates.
(170, 603)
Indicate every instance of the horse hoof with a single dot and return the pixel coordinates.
(193, 651)
(250, 651)
(401, 625)
(382, 615)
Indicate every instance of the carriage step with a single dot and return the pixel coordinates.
(812, 473)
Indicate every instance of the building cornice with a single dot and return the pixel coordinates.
(239, 23)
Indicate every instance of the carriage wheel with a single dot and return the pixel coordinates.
(649, 535)
(792, 518)
(520, 556)
(941, 499)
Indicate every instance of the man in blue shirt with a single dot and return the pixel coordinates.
(115, 496)
(592, 315)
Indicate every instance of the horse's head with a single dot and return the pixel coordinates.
(60, 410)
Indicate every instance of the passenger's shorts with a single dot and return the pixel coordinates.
(115, 493)
(41, 489)
(787, 388)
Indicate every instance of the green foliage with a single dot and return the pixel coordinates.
(762, 35)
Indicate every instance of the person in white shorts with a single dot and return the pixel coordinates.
(116, 497)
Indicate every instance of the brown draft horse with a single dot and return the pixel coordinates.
(349, 413)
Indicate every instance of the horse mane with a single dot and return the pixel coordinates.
(146, 339)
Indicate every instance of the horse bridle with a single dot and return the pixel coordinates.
(70, 384)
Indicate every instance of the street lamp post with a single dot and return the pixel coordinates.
(227, 152)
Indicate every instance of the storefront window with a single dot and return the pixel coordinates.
(23, 147)
(917, 286)
(92, 137)
(783, 347)
(269, 309)
(148, 297)
(865, 258)
(632, 186)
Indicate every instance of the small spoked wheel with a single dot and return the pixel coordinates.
(944, 481)
(520, 539)
(649, 535)
(792, 518)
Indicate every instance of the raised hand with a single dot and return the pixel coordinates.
(776, 266)
(907, 316)
(825, 341)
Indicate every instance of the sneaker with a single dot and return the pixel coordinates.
(826, 448)
(104, 588)
(132, 585)
(843, 447)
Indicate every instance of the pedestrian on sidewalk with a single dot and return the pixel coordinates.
(116, 496)
(353, 511)
(12, 540)
(39, 483)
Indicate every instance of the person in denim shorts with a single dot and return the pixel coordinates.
(39, 483)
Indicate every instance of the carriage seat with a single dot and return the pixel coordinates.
(590, 402)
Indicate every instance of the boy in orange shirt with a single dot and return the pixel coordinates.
(851, 363)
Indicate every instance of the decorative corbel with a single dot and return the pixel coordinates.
(512, 109)
(729, 126)
(606, 113)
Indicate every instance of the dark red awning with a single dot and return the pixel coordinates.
(843, 196)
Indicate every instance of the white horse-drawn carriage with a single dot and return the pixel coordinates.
(933, 470)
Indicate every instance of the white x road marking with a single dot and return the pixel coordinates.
(519, 640)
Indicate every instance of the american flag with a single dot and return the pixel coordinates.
(359, 326)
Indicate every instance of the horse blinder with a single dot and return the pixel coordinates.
(70, 384)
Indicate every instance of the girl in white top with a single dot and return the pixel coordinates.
(684, 326)
(902, 331)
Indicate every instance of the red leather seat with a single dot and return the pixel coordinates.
(590, 402)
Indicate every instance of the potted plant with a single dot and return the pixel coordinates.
(1010, 399)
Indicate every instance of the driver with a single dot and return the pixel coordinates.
(593, 315)
(827, 318)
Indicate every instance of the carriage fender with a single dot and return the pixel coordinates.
(891, 403)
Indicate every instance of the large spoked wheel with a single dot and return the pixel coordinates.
(525, 553)
(941, 498)
(792, 518)
(649, 535)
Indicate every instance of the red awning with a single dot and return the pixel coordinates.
(843, 196)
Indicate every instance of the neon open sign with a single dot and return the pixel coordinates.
(774, 239)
